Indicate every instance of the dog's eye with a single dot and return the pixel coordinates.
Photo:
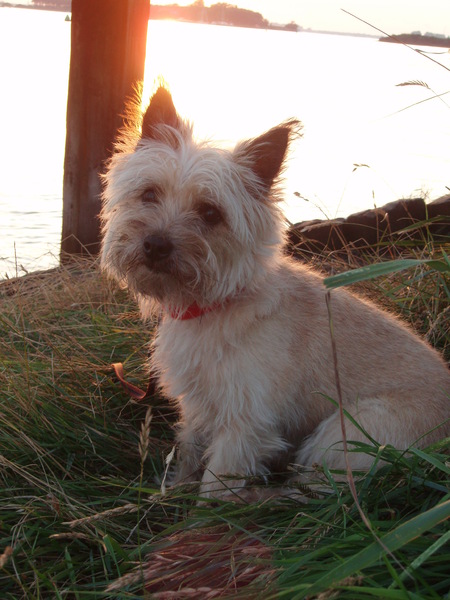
(150, 195)
(210, 214)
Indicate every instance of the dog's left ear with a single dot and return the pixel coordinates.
(161, 111)
(266, 153)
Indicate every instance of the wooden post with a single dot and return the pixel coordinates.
(108, 47)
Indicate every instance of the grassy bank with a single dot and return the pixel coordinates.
(81, 509)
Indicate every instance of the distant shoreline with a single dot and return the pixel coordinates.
(271, 26)
(32, 7)
(415, 39)
(163, 13)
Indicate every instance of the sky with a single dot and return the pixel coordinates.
(392, 16)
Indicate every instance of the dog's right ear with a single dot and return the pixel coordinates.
(161, 111)
(266, 154)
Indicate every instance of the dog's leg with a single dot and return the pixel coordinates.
(189, 467)
(381, 419)
(237, 453)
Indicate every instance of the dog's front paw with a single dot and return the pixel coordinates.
(221, 487)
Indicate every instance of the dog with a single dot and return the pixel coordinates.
(244, 345)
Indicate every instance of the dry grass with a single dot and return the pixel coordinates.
(81, 509)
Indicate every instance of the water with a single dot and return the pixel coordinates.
(234, 84)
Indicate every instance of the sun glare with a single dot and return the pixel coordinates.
(232, 84)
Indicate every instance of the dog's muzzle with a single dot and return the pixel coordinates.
(157, 250)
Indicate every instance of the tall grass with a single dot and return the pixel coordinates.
(82, 514)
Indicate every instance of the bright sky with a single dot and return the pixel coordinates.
(393, 16)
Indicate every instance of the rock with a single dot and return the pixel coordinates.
(363, 228)
(320, 235)
(439, 207)
(403, 213)
(439, 214)
(388, 223)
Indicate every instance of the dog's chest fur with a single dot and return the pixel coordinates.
(218, 368)
(214, 369)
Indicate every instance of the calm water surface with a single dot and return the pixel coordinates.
(233, 83)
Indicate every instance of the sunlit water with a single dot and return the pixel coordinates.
(233, 84)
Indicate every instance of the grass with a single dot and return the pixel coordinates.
(82, 514)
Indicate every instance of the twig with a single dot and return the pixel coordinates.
(351, 480)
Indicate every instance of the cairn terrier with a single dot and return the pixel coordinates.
(244, 345)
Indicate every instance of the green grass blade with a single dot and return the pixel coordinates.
(383, 593)
(379, 269)
(416, 563)
(433, 460)
(71, 569)
(393, 540)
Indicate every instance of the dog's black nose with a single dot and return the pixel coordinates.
(157, 249)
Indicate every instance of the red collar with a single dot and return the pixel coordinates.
(193, 311)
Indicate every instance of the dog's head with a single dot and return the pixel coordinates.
(187, 222)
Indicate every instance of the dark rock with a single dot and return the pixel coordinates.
(389, 223)
(439, 215)
(363, 228)
(403, 213)
(439, 207)
(319, 235)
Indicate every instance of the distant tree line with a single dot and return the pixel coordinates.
(417, 39)
(222, 12)
(197, 12)
(64, 5)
